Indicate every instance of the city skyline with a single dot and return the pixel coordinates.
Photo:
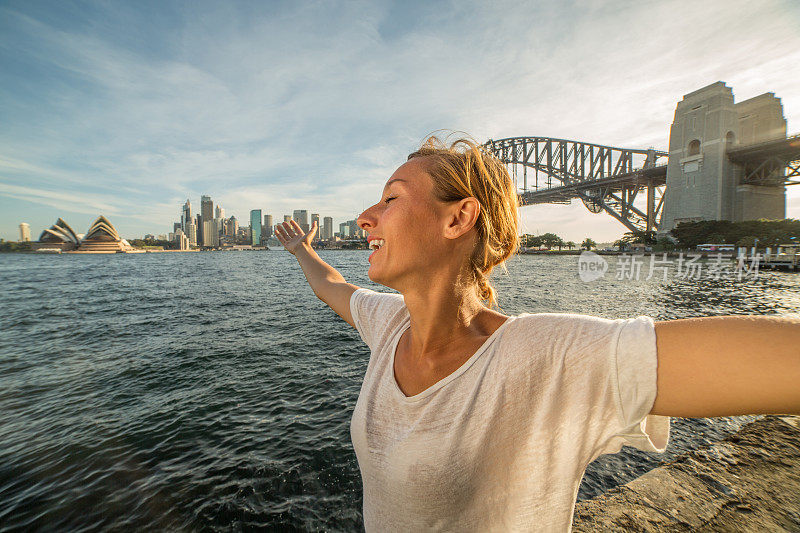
(259, 220)
(127, 110)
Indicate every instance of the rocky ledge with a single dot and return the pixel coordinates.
(748, 482)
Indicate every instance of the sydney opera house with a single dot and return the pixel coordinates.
(102, 237)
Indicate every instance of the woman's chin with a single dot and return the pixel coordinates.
(374, 274)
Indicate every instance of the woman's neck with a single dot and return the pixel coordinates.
(442, 318)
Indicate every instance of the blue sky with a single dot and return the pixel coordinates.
(129, 108)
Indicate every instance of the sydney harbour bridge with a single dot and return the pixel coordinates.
(609, 179)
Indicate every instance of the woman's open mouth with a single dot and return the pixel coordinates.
(375, 245)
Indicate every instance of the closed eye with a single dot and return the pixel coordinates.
(390, 199)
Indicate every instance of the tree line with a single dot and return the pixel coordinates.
(551, 240)
(687, 235)
(747, 233)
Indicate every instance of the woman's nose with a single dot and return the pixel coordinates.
(366, 220)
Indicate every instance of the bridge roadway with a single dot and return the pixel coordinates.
(763, 162)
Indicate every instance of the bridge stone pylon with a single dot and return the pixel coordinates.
(703, 180)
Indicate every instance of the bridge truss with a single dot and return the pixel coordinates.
(605, 178)
(772, 163)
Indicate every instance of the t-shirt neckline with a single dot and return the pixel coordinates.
(444, 381)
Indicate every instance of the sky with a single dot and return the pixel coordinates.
(127, 109)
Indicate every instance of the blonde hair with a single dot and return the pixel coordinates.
(466, 169)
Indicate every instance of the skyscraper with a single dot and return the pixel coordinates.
(199, 230)
(301, 217)
(210, 234)
(186, 215)
(233, 227)
(255, 227)
(206, 208)
(191, 232)
(327, 228)
(24, 232)
(219, 212)
(354, 231)
(267, 229)
(181, 240)
(206, 215)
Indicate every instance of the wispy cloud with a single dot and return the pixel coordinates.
(80, 203)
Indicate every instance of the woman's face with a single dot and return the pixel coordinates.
(410, 221)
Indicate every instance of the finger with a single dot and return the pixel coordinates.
(286, 230)
(296, 227)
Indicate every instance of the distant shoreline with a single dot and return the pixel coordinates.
(729, 255)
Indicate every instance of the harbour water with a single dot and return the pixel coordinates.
(214, 391)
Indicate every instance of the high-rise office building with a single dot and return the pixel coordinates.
(206, 208)
(233, 227)
(191, 232)
(181, 240)
(266, 231)
(219, 212)
(210, 235)
(176, 226)
(255, 227)
(327, 228)
(198, 222)
(301, 217)
(351, 230)
(24, 232)
(186, 215)
(206, 215)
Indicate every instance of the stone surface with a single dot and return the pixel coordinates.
(748, 482)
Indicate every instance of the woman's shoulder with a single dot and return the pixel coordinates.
(564, 319)
(367, 301)
(563, 329)
(376, 314)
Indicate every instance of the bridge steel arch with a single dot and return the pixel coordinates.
(605, 178)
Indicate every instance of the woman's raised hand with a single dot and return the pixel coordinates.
(291, 235)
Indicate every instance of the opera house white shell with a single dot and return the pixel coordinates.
(102, 237)
(58, 236)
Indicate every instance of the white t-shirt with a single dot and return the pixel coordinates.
(502, 443)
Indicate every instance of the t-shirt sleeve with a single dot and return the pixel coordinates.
(635, 385)
(374, 313)
(611, 372)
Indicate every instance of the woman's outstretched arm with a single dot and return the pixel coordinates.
(326, 282)
(728, 365)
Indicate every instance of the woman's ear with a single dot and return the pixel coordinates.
(463, 217)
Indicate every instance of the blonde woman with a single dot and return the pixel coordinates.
(471, 420)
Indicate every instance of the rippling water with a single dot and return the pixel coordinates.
(214, 391)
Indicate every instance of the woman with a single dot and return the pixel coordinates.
(469, 419)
